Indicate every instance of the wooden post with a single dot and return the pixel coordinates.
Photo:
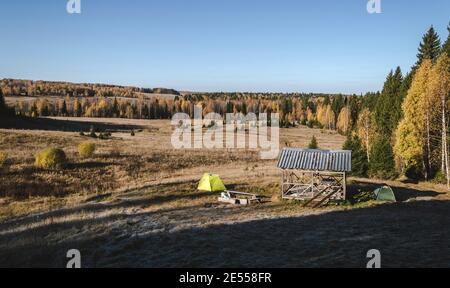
(345, 185)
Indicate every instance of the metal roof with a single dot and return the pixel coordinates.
(316, 160)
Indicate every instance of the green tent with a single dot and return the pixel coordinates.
(385, 194)
(211, 183)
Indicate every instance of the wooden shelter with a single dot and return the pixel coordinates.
(314, 176)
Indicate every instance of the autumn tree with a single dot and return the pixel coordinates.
(344, 122)
(409, 145)
(438, 92)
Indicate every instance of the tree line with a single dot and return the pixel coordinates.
(330, 111)
(404, 130)
(17, 87)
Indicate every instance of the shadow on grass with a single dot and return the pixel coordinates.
(63, 125)
(87, 165)
(414, 234)
(401, 193)
(93, 206)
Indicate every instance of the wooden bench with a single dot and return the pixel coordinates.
(239, 198)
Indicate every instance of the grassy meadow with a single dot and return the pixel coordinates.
(134, 203)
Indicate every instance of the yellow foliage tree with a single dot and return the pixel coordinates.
(326, 116)
(409, 144)
(344, 120)
(438, 91)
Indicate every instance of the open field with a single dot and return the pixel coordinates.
(135, 204)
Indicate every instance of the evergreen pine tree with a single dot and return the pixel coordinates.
(2, 101)
(400, 97)
(446, 46)
(382, 164)
(313, 144)
(429, 48)
(385, 114)
(359, 158)
(337, 105)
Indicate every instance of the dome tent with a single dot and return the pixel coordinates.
(385, 193)
(211, 183)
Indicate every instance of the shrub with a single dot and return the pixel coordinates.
(86, 149)
(104, 136)
(439, 178)
(51, 158)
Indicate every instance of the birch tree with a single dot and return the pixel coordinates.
(409, 142)
(439, 88)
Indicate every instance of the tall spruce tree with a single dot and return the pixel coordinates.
(400, 97)
(382, 164)
(313, 144)
(359, 158)
(429, 48)
(385, 114)
(446, 46)
(337, 105)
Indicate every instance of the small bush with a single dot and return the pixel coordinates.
(104, 136)
(86, 149)
(51, 158)
(132, 133)
(439, 178)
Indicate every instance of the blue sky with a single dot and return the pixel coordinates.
(212, 45)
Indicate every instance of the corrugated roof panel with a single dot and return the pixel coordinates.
(316, 160)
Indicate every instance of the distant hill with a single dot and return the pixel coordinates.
(165, 91)
(19, 87)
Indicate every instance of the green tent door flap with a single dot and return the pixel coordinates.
(385, 194)
(211, 183)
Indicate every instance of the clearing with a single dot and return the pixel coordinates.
(135, 204)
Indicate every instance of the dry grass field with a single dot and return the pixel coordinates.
(134, 203)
